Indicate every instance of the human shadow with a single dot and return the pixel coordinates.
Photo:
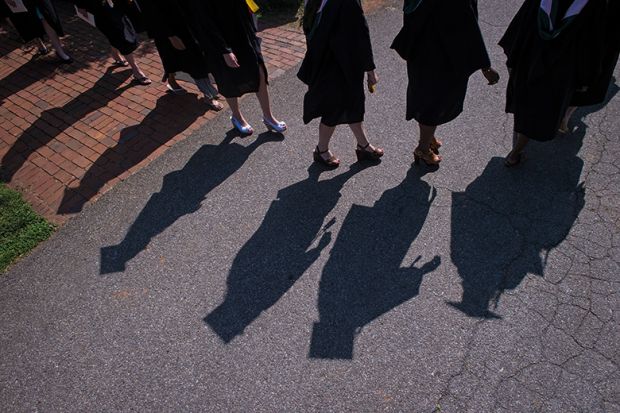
(54, 121)
(507, 221)
(365, 276)
(172, 115)
(289, 240)
(36, 69)
(182, 193)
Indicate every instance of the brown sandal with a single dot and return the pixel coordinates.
(364, 155)
(332, 162)
(429, 157)
(435, 145)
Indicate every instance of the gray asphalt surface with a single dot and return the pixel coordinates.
(231, 275)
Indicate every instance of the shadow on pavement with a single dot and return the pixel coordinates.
(288, 241)
(366, 276)
(182, 193)
(54, 121)
(508, 220)
(172, 115)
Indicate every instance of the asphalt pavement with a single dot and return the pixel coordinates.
(232, 274)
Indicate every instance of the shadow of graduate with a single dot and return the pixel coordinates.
(288, 241)
(40, 133)
(365, 276)
(182, 193)
(508, 220)
(172, 115)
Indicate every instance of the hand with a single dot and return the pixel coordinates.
(176, 43)
(491, 75)
(83, 12)
(373, 79)
(231, 60)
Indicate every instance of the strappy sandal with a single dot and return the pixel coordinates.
(143, 80)
(120, 63)
(214, 105)
(430, 158)
(364, 155)
(435, 145)
(509, 163)
(331, 162)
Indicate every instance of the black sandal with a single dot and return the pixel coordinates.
(364, 155)
(508, 163)
(332, 162)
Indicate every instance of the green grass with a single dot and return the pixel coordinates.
(21, 229)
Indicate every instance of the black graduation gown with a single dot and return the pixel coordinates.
(597, 92)
(443, 46)
(113, 23)
(544, 74)
(221, 27)
(28, 24)
(339, 53)
(164, 20)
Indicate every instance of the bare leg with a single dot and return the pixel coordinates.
(263, 99)
(427, 134)
(172, 82)
(360, 135)
(55, 41)
(519, 143)
(137, 73)
(116, 55)
(236, 112)
(423, 150)
(569, 113)
(325, 136)
(209, 92)
(42, 46)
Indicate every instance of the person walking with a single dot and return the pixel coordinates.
(178, 49)
(595, 93)
(40, 20)
(339, 55)
(119, 31)
(550, 46)
(443, 46)
(226, 31)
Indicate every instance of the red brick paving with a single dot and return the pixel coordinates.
(70, 133)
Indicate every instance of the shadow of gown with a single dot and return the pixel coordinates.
(182, 193)
(288, 241)
(365, 276)
(508, 220)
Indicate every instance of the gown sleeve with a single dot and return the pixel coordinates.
(350, 41)
(591, 45)
(462, 38)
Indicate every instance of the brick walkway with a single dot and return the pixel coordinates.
(70, 133)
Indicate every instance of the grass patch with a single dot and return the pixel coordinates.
(21, 229)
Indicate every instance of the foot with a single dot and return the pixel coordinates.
(242, 125)
(274, 125)
(120, 63)
(513, 159)
(435, 145)
(326, 158)
(368, 152)
(63, 57)
(428, 156)
(142, 79)
(214, 104)
(174, 89)
(564, 128)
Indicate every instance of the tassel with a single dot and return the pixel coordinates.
(252, 5)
